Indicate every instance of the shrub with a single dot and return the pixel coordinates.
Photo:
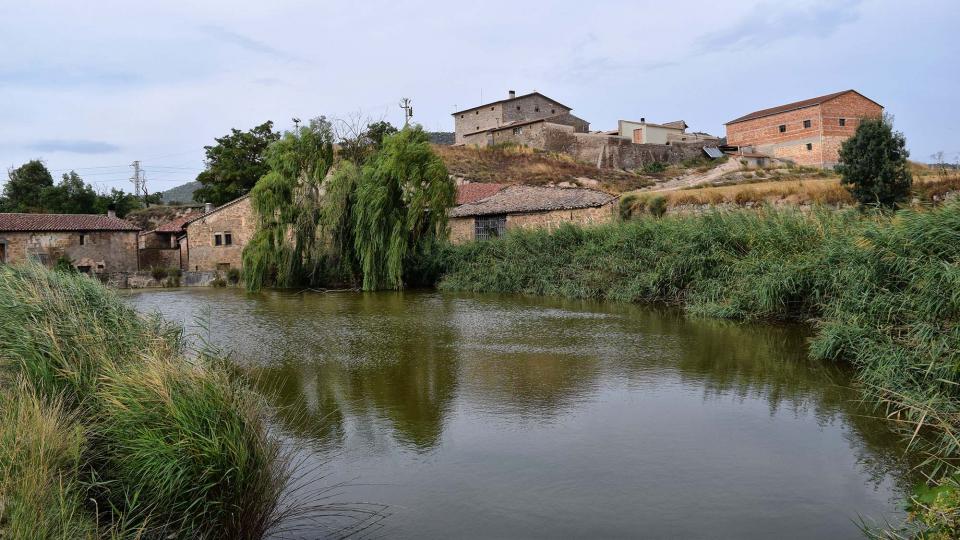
(873, 164)
(233, 276)
(65, 264)
(654, 167)
(158, 273)
(657, 206)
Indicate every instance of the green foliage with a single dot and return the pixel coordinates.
(233, 276)
(654, 167)
(110, 411)
(873, 164)
(25, 188)
(401, 206)
(234, 164)
(64, 264)
(657, 206)
(71, 196)
(30, 188)
(358, 147)
(158, 273)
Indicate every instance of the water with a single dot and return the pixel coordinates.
(509, 417)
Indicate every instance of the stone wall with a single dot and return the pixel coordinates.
(96, 251)
(237, 219)
(159, 258)
(495, 115)
(145, 280)
(613, 151)
(462, 230)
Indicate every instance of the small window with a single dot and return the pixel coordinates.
(227, 239)
(553, 111)
(491, 108)
(487, 227)
(85, 269)
(806, 124)
(477, 113)
(809, 146)
(518, 131)
(461, 116)
(782, 128)
(478, 127)
(218, 239)
(843, 122)
(100, 267)
(83, 239)
(536, 109)
(518, 107)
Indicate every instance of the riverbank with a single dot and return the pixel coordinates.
(109, 430)
(882, 292)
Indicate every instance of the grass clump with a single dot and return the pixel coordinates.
(127, 431)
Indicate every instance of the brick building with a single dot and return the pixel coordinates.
(215, 240)
(480, 125)
(807, 132)
(520, 206)
(93, 243)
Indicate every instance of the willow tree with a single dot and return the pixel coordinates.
(287, 248)
(400, 207)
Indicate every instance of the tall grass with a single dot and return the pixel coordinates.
(883, 292)
(130, 434)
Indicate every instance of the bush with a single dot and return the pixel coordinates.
(657, 206)
(65, 264)
(654, 167)
(158, 274)
(233, 276)
(873, 164)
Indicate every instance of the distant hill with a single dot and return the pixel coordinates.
(181, 194)
(441, 137)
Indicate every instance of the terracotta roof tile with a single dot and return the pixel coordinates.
(62, 222)
(468, 193)
(794, 106)
(518, 199)
(177, 225)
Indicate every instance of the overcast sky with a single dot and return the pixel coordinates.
(93, 86)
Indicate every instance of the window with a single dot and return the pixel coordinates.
(100, 267)
(518, 107)
(228, 239)
(223, 267)
(477, 113)
(806, 124)
(553, 111)
(461, 116)
(217, 239)
(84, 269)
(809, 146)
(487, 227)
(3, 252)
(83, 239)
(843, 122)
(518, 131)
(783, 128)
(536, 109)
(491, 108)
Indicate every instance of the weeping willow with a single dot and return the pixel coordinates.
(320, 223)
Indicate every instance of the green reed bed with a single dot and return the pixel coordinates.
(110, 431)
(883, 292)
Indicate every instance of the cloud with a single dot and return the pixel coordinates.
(770, 22)
(248, 43)
(75, 147)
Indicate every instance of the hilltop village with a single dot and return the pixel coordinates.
(203, 244)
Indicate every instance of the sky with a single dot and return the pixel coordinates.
(93, 86)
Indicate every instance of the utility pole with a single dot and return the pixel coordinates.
(139, 181)
(407, 107)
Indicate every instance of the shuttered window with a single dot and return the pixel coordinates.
(487, 227)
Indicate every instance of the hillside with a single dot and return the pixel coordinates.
(180, 194)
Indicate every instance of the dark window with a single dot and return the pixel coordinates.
(478, 112)
(809, 146)
(227, 239)
(553, 111)
(84, 269)
(518, 107)
(461, 116)
(100, 267)
(783, 128)
(536, 109)
(83, 239)
(217, 240)
(843, 122)
(518, 131)
(487, 227)
(806, 124)
(3, 253)
(491, 108)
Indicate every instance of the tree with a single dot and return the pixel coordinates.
(234, 164)
(359, 138)
(873, 164)
(26, 186)
(71, 196)
(119, 201)
(378, 131)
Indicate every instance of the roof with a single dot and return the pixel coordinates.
(519, 199)
(518, 123)
(512, 99)
(63, 222)
(676, 124)
(215, 210)
(472, 192)
(797, 105)
(679, 124)
(177, 225)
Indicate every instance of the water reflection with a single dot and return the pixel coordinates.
(506, 416)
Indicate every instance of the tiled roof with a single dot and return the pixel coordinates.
(472, 192)
(177, 225)
(519, 199)
(62, 222)
(217, 209)
(795, 105)
(512, 99)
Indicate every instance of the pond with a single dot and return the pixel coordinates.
(512, 417)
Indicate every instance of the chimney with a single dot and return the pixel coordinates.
(207, 208)
(111, 211)
(512, 94)
(643, 120)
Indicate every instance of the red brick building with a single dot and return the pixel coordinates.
(807, 132)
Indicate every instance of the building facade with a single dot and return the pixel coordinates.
(161, 247)
(528, 207)
(807, 132)
(92, 243)
(471, 125)
(215, 240)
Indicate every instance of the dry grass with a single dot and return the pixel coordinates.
(509, 164)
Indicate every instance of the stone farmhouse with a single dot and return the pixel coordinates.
(524, 207)
(93, 243)
(493, 122)
(215, 240)
(807, 132)
(165, 246)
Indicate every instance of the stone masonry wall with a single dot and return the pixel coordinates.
(491, 116)
(475, 120)
(615, 152)
(102, 251)
(238, 219)
(159, 258)
(462, 230)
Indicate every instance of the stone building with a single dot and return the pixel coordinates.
(215, 240)
(161, 247)
(520, 206)
(92, 243)
(807, 132)
(479, 125)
